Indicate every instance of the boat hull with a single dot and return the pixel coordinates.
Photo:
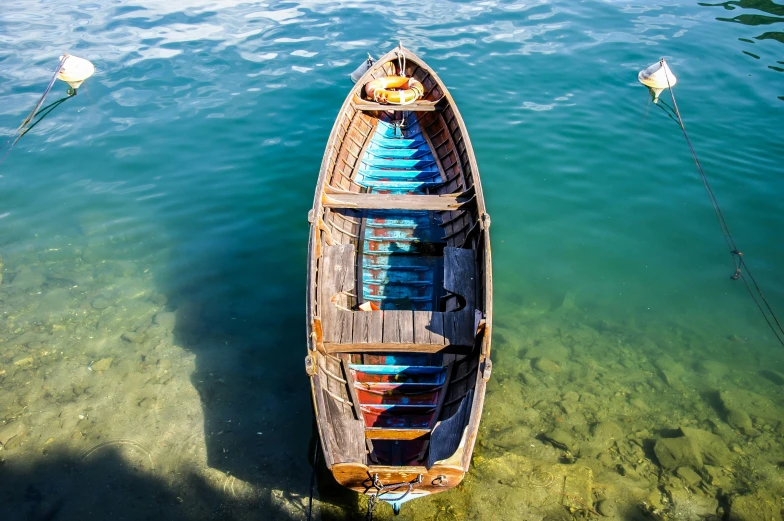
(399, 303)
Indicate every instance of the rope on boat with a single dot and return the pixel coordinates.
(737, 255)
(313, 478)
(386, 489)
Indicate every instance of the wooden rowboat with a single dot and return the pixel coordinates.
(399, 226)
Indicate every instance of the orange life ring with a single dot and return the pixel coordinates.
(398, 90)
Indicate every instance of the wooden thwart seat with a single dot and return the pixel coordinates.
(439, 203)
(348, 331)
(375, 433)
(417, 106)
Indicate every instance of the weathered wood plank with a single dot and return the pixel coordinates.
(380, 347)
(459, 273)
(336, 275)
(361, 326)
(422, 326)
(459, 327)
(368, 326)
(428, 327)
(406, 326)
(348, 434)
(345, 360)
(354, 476)
(391, 331)
(442, 394)
(417, 106)
(446, 435)
(438, 203)
(375, 326)
(459, 278)
(398, 327)
(343, 326)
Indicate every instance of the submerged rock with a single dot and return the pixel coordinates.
(713, 369)
(693, 448)
(755, 507)
(550, 349)
(27, 279)
(101, 302)
(23, 361)
(102, 365)
(607, 433)
(753, 404)
(55, 302)
(166, 319)
(561, 439)
(677, 452)
(713, 449)
(546, 365)
(692, 507)
(133, 337)
(639, 403)
(671, 372)
(774, 376)
(688, 475)
(717, 478)
(12, 434)
(739, 420)
(606, 508)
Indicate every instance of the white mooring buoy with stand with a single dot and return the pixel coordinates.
(657, 78)
(75, 70)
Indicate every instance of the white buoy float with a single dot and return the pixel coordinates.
(657, 77)
(75, 70)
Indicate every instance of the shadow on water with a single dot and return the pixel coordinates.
(241, 317)
(107, 486)
(254, 398)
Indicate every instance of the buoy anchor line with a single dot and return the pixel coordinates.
(73, 71)
(657, 78)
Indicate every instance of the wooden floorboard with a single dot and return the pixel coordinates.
(429, 327)
(398, 327)
(336, 275)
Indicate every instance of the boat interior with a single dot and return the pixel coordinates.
(400, 234)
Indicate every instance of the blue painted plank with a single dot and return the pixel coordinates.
(412, 150)
(418, 163)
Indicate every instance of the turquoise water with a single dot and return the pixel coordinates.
(158, 221)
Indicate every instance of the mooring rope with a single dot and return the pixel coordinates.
(386, 489)
(313, 478)
(737, 255)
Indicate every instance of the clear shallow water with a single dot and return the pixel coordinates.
(168, 202)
